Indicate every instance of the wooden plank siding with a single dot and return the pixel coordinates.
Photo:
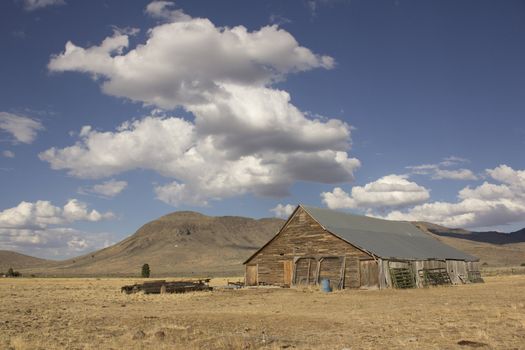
(303, 237)
(251, 275)
(369, 273)
(305, 270)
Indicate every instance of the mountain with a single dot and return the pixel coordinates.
(182, 243)
(19, 261)
(493, 248)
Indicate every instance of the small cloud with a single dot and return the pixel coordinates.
(32, 5)
(23, 129)
(279, 19)
(131, 31)
(459, 174)
(8, 154)
(453, 160)
(312, 7)
(106, 189)
(283, 210)
(437, 172)
(162, 10)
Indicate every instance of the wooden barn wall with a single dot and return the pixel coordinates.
(473, 266)
(385, 280)
(416, 266)
(304, 237)
(457, 268)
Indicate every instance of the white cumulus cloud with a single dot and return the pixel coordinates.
(207, 166)
(22, 129)
(41, 214)
(246, 135)
(53, 242)
(388, 191)
(486, 205)
(283, 210)
(41, 228)
(188, 63)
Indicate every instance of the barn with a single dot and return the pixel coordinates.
(355, 251)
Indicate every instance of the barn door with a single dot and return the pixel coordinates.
(251, 275)
(331, 268)
(369, 273)
(288, 272)
(305, 270)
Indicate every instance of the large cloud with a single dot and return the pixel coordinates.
(22, 129)
(188, 62)
(483, 206)
(204, 166)
(246, 137)
(386, 192)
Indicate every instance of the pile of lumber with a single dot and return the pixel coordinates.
(162, 286)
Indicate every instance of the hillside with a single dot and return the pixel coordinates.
(493, 248)
(19, 261)
(183, 243)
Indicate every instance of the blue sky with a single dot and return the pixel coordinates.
(113, 113)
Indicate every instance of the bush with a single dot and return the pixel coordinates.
(522, 264)
(145, 271)
(12, 273)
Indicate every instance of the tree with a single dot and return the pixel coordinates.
(145, 271)
(12, 273)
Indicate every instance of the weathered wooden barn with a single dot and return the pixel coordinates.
(356, 252)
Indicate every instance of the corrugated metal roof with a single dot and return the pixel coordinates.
(385, 238)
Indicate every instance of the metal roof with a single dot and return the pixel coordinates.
(385, 238)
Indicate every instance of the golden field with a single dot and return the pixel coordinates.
(79, 313)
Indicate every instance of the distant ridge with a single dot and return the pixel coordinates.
(19, 261)
(493, 248)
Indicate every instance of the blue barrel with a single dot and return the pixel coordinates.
(325, 285)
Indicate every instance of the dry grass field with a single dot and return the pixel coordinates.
(93, 314)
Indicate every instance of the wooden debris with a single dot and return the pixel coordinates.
(162, 286)
(435, 277)
(472, 344)
(402, 277)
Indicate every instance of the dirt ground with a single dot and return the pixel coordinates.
(93, 314)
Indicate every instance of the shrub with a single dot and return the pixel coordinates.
(145, 271)
(12, 273)
(522, 264)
